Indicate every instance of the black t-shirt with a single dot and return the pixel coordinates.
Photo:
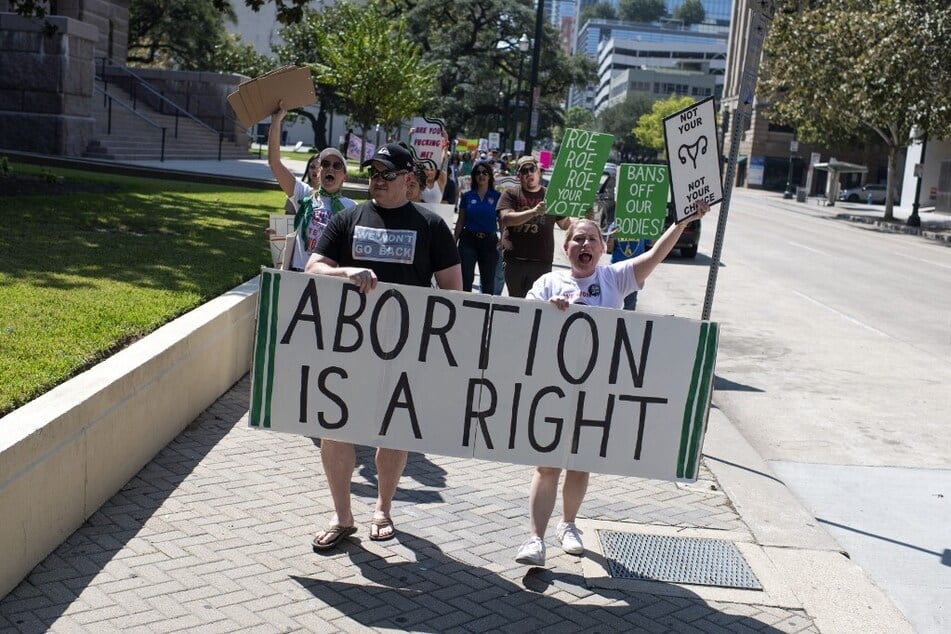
(405, 245)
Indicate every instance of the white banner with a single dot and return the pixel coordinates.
(694, 157)
(478, 376)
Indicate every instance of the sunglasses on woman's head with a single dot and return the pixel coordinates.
(386, 175)
(527, 169)
(337, 165)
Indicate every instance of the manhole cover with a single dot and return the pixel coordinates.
(692, 560)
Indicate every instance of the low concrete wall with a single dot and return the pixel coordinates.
(66, 453)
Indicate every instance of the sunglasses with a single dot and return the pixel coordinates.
(480, 173)
(387, 176)
(337, 165)
(528, 169)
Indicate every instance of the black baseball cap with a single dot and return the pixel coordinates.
(395, 156)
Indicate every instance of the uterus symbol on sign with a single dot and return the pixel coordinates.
(692, 151)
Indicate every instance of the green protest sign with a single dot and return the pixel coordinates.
(641, 201)
(574, 183)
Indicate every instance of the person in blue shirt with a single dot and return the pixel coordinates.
(624, 250)
(475, 229)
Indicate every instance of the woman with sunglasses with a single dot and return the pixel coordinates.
(586, 282)
(312, 202)
(475, 229)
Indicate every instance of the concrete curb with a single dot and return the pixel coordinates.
(66, 453)
(924, 231)
(833, 590)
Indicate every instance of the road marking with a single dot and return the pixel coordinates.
(802, 246)
(841, 314)
(929, 262)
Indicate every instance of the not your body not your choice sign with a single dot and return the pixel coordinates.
(494, 378)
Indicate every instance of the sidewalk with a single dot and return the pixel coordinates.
(214, 535)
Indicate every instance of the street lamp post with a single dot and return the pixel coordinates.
(523, 44)
(793, 146)
(914, 220)
(533, 86)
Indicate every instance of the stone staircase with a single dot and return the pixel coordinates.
(130, 138)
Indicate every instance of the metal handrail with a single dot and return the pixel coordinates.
(162, 98)
(110, 98)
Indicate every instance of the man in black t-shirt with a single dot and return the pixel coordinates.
(387, 239)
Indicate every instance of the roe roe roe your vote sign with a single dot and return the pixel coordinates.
(488, 377)
(574, 183)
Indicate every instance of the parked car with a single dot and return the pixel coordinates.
(689, 240)
(861, 194)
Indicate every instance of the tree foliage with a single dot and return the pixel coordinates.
(177, 34)
(288, 11)
(231, 55)
(837, 68)
(619, 120)
(690, 12)
(474, 44)
(650, 127)
(575, 117)
(641, 10)
(598, 11)
(371, 63)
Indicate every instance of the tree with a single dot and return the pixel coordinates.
(575, 117)
(233, 56)
(288, 11)
(641, 10)
(177, 34)
(370, 62)
(475, 47)
(690, 12)
(837, 68)
(650, 127)
(619, 119)
(598, 11)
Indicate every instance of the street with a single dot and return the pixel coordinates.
(834, 364)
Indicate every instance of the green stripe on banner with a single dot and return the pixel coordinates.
(272, 344)
(260, 347)
(703, 401)
(688, 407)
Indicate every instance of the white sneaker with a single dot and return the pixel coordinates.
(532, 552)
(570, 538)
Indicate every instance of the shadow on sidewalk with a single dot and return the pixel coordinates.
(437, 593)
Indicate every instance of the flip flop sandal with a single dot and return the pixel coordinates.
(336, 533)
(380, 523)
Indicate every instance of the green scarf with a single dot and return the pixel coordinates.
(336, 204)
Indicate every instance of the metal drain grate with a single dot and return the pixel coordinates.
(699, 561)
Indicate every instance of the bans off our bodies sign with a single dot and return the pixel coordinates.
(486, 377)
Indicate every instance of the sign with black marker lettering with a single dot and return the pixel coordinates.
(479, 376)
(641, 204)
(694, 156)
(574, 182)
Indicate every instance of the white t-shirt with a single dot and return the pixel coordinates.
(607, 286)
(307, 239)
(431, 194)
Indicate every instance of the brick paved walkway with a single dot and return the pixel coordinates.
(214, 536)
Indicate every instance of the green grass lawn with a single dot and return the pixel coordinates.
(353, 170)
(82, 274)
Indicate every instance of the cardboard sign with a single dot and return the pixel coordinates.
(480, 376)
(257, 98)
(574, 182)
(641, 201)
(694, 156)
(427, 139)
